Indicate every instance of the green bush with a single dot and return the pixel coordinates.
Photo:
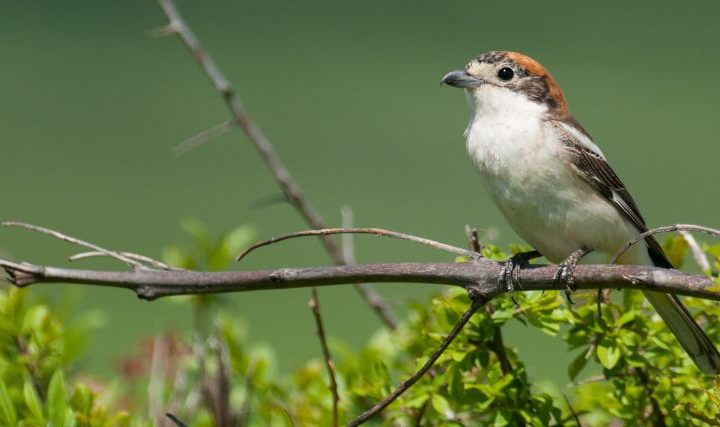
(628, 366)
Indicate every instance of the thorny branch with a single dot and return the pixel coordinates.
(177, 25)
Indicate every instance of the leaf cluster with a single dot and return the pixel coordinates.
(626, 366)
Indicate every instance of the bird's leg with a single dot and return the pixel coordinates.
(510, 274)
(566, 269)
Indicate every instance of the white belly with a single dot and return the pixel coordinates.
(547, 203)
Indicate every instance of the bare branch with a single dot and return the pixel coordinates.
(329, 364)
(478, 301)
(137, 257)
(58, 235)
(375, 231)
(666, 229)
(698, 254)
(153, 284)
(204, 137)
(177, 25)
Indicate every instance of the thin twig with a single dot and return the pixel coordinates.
(592, 379)
(265, 201)
(696, 250)
(473, 240)
(219, 385)
(375, 231)
(329, 364)
(204, 137)
(64, 237)
(496, 343)
(666, 229)
(156, 381)
(177, 25)
(572, 411)
(478, 301)
(32, 368)
(656, 415)
(175, 420)
(137, 257)
(245, 407)
(348, 244)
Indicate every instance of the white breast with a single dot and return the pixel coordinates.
(526, 173)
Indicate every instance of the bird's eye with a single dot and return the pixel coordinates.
(505, 73)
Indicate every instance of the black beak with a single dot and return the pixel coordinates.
(461, 79)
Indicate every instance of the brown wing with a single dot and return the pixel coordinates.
(594, 169)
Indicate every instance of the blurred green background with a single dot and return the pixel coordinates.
(91, 105)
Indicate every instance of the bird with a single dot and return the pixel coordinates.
(553, 184)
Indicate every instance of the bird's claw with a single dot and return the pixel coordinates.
(566, 272)
(510, 273)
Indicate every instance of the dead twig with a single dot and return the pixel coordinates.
(665, 229)
(64, 237)
(375, 231)
(348, 245)
(478, 300)
(697, 252)
(204, 137)
(327, 358)
(176, 25)
(137, 257)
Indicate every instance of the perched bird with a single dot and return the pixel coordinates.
(552, 183)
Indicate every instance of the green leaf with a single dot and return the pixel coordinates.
(676, 247)
(608, 354)
(7, 407)
(503, 315)
(57, 406)
(626, 317)
(440, 405)
(576, 366)
(237, 238)
(70, 418)
(197, 230)
(502, 418)
(32, 401)
(82, 399)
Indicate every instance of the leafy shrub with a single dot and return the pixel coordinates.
(628, 366)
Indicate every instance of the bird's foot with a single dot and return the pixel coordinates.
(510, 274)
(566, 270)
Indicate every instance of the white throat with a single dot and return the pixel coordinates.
(504, 126)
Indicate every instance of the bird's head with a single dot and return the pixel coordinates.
(512, 71)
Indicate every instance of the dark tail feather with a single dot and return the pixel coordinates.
(693, 339)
